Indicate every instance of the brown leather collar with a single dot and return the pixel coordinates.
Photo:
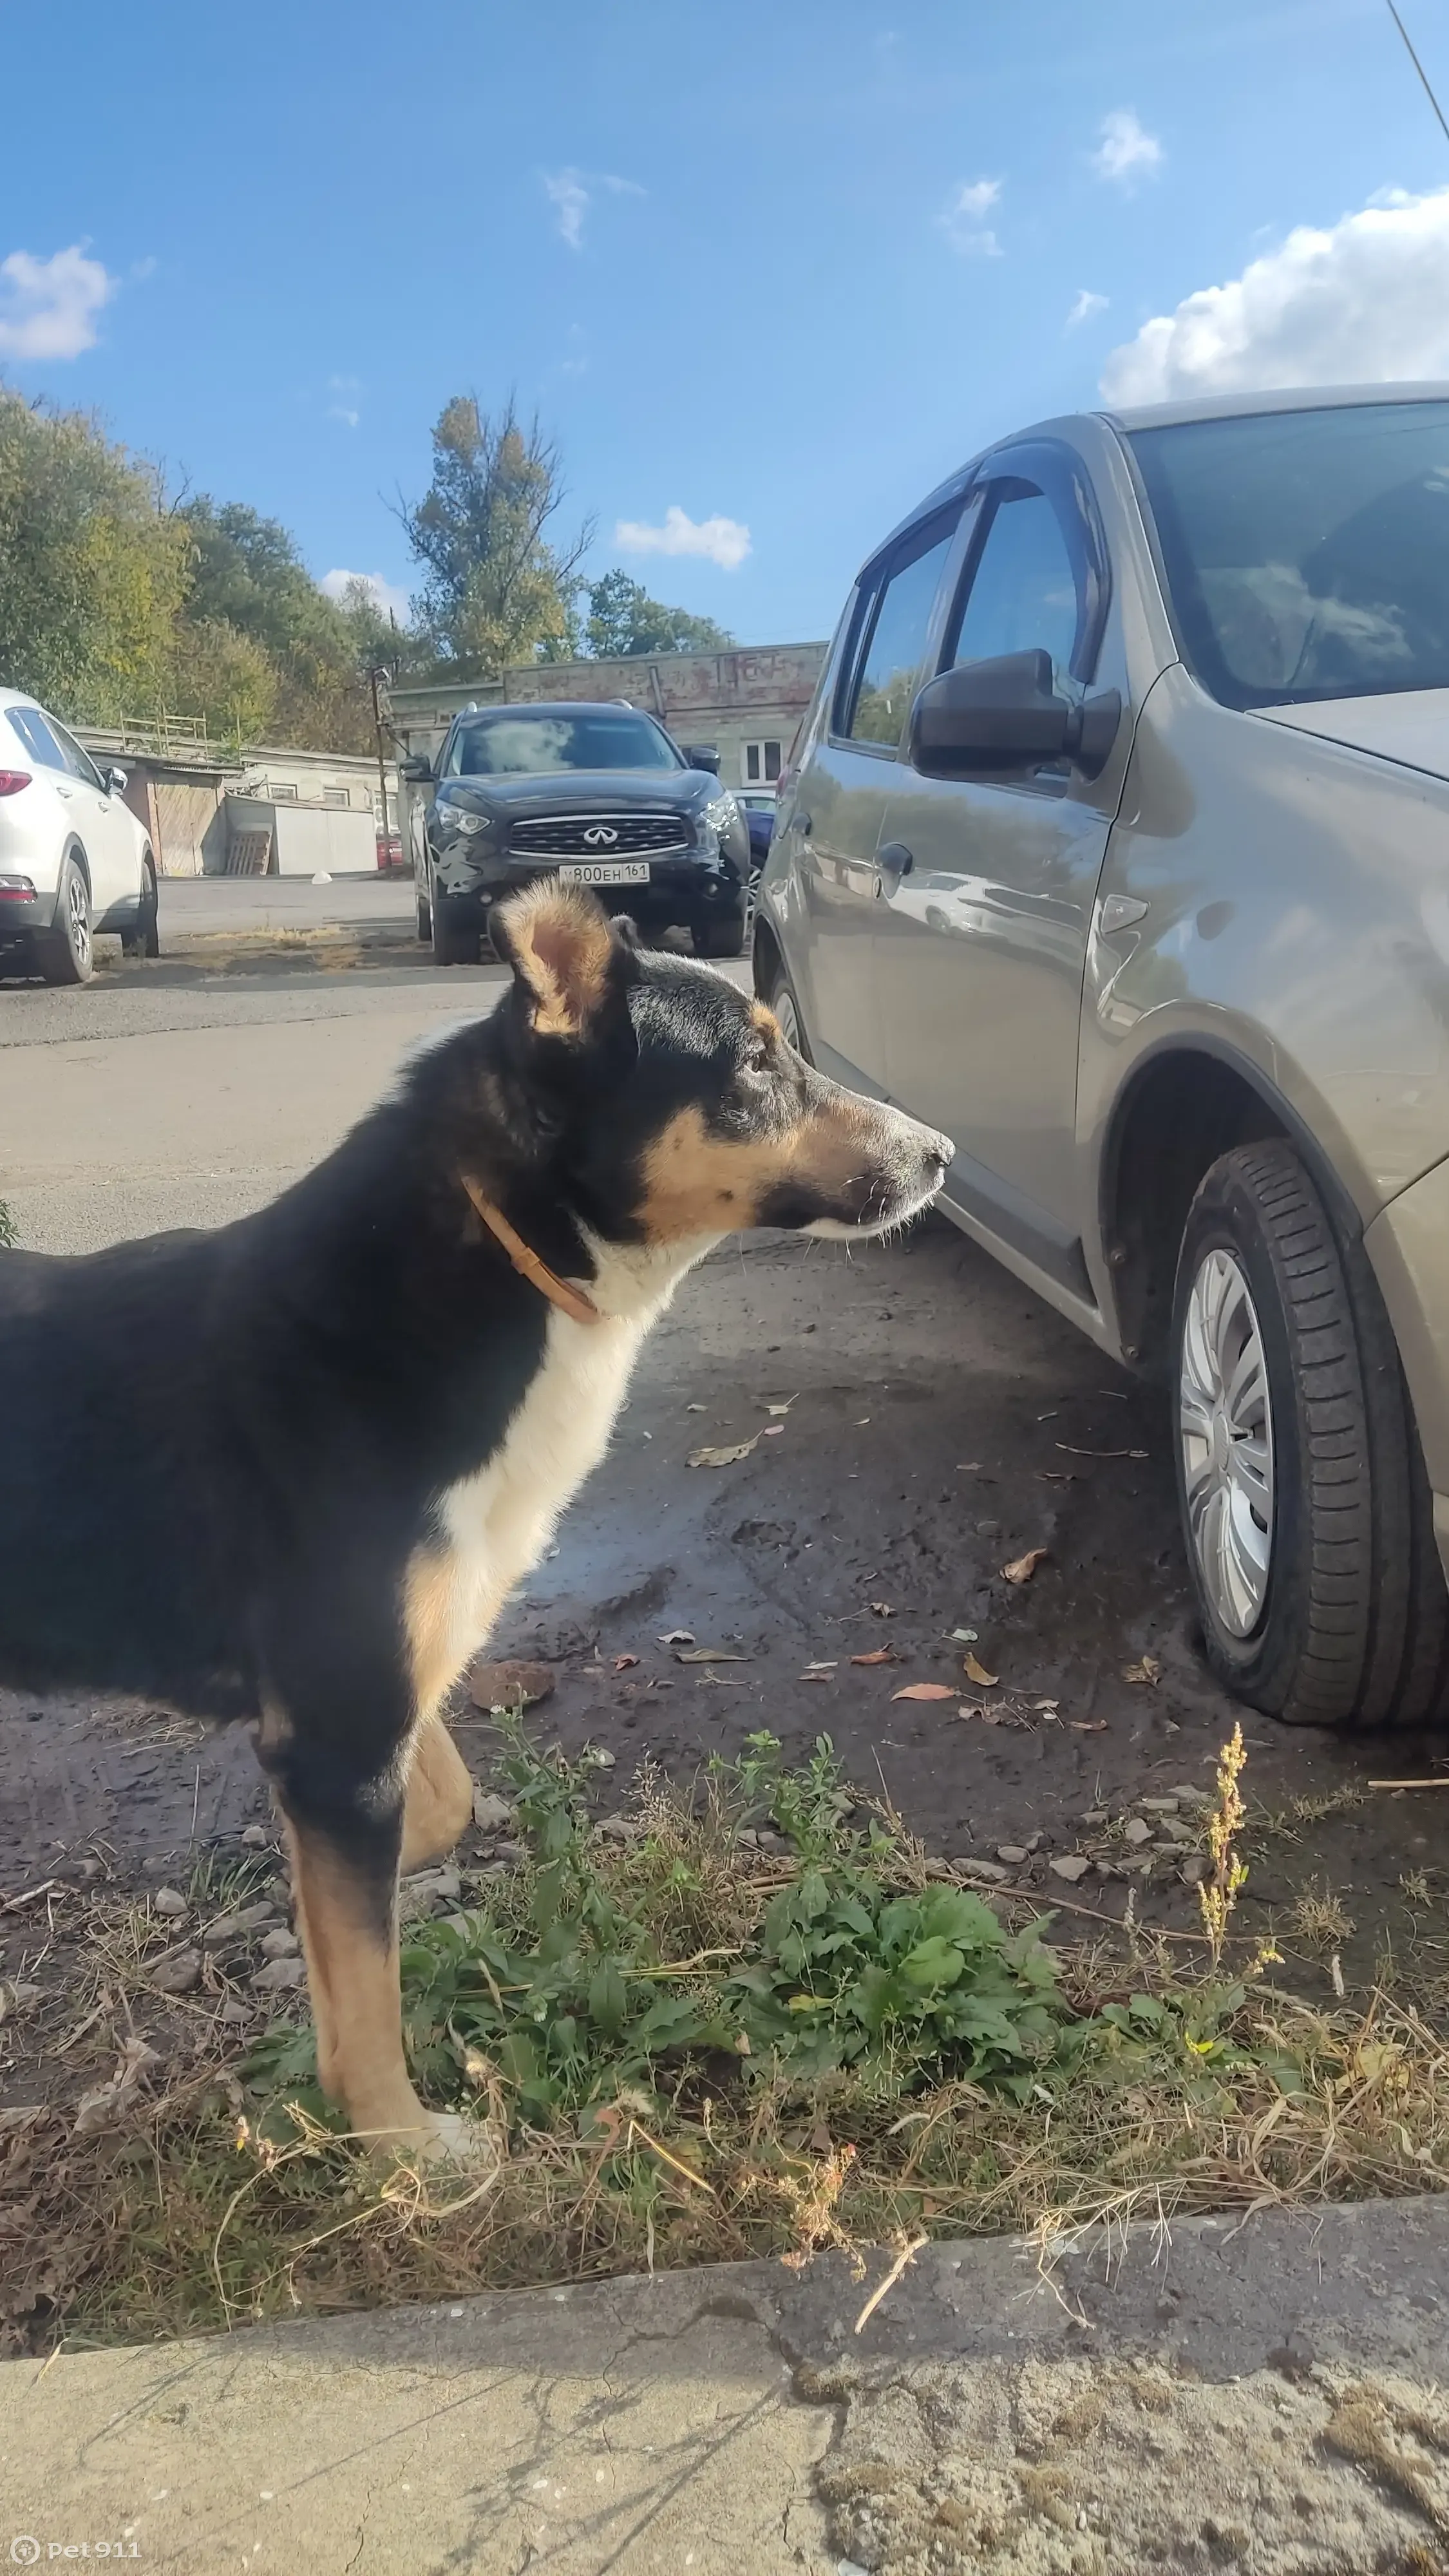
(559, 1292)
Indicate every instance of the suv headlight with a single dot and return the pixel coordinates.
(720, 813)
(462, 818)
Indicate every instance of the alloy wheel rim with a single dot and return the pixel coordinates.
(1225, 1425)
(788, 1018)
(80, 920)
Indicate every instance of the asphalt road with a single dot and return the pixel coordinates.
(940, 1423)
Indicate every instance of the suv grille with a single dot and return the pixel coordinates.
(602, 836)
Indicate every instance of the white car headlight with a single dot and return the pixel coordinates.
(462, 818)
(721, 812)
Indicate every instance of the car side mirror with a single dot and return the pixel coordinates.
(702, 755)
(1003, 717)
(114, 779)
(416, 767)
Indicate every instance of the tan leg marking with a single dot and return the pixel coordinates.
(352, 1970)
(428, 1618)
(439, 1803)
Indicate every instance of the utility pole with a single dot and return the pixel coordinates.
(375, 676)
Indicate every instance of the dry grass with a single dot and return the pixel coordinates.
(1167, 2087)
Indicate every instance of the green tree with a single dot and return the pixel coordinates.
(497, 588)
(93, 567)
(623, 619)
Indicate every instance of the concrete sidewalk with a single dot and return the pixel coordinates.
(1257, 2395)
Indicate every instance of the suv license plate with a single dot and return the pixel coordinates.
(606, 872)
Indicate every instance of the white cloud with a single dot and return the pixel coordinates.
(48, 307)
(960, 218)
(1086, 307)
(342, 411)
(571, 193)
(387, 595)
(1364, 302)
(723, 541)
(1126, 150)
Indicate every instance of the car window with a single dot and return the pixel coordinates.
(533, 743)
(1025, 595)
(35, 733)
(894, 637)
(1306, 552)
(78, 762)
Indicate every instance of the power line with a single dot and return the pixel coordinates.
(1419, 68)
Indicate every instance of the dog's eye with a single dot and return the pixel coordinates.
(758, 1057)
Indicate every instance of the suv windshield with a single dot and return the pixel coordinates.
(1306, 552)
(525, 743)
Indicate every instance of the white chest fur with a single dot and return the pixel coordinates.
(496, 1523)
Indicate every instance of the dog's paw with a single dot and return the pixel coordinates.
(440, 2138)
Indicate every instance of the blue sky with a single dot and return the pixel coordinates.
(777, 267)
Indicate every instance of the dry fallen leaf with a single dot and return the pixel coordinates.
(772, 1431)
(711, 1655)
(925, 1690)
(1022, 1568)
(783, 1408)
(882, 1610)
(625, 1663)
(509, 1685)
(1087, 1725)
(1148, 1670)
(877, 1655)
(695, 1408)
(977, 1673)
(721, 1457)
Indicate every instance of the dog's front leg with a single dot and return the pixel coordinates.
(344, 1818)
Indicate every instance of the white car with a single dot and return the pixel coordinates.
(73, 857)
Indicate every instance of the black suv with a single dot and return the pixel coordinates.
(596, 793)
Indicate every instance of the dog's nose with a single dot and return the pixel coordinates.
(941, 1151)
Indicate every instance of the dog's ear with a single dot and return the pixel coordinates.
(568, 964)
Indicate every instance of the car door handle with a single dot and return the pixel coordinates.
(895, 860)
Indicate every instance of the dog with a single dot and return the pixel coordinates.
(290, 1471)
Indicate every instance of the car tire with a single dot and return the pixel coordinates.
(783, 1002)
(425, 920)
(145, 939)
(1305, 1505)
(67, 953)
(721, 934)
(457, 937)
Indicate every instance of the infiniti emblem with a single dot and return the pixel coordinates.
(600, 836)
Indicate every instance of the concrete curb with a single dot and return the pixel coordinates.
(682, 2422)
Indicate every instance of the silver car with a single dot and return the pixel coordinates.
(1116, 844)
(74, 859)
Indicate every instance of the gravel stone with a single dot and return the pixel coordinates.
(178, 1973)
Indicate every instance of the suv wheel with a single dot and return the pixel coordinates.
(425, 919)
(457, 939)
(1305, 1505)
(721, 934)
(66, 955)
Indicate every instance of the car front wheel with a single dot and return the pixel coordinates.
(721, 934)
(787, 1012)
(1305, 1505)
(457, 933)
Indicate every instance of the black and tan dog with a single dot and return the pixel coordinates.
(291, 1470)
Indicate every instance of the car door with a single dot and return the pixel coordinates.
(106, 826)
(842, 796)
(984, 916)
